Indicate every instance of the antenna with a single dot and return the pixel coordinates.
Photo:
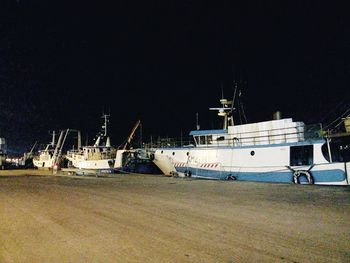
(197, 122)
(53, 138)
(181, 138)
(222, 91)
(234, 93)
(87, 139)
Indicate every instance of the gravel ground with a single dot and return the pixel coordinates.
(144, 218)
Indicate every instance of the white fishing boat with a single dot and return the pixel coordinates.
(45, 159)
(99, 156)
(51, 156)
(279, 150)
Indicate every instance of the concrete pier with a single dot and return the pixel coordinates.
(145, 218)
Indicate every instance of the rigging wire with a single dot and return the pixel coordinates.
(242, 108)
(333, 111)
(338, 119)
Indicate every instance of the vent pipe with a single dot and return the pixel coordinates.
(277, 115)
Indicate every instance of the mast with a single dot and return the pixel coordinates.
(104, 126)
(104, 131)
(197, 121)
(53, 138)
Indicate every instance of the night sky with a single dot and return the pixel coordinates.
(64, 63)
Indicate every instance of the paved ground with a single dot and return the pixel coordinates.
(132, 218)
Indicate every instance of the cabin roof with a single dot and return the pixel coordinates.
(207, 132)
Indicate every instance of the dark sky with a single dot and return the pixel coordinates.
(62, 63)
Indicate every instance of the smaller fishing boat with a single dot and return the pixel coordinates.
(99, 156)
(45, 158)
(51, 156)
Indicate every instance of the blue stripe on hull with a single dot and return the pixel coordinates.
(323, 176)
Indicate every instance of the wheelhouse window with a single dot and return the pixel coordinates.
(301, 155)
(209, 139)
(202, 140)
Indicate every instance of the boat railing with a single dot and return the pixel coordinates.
(274, 136)
(170, 143)
(262, 137)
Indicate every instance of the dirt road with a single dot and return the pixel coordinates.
(132, 218)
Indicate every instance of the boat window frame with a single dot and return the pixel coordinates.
(202, 139)
(209, 139)
(301, 155)
(195, 139)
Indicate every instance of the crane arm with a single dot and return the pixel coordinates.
(131, 135)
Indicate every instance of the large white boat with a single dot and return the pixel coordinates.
(100, 156)
(279, 150)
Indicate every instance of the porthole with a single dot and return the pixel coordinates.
(252, 153)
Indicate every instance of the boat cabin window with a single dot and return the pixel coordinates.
(209, 139)
(203, 139)
(301, 155)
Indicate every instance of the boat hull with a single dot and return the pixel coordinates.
(258, 163)
(95, 172)
(104, 164)
(46, 164)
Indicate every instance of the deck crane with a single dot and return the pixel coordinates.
(131, 135)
